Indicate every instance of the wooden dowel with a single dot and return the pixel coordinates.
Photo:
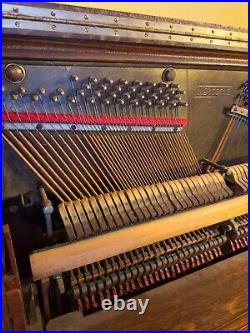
(62, 258)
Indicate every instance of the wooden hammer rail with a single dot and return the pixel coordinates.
(54, 260)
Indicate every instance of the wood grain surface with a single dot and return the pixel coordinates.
(62, 258)
(214, 298)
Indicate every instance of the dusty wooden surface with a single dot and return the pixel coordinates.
(214, 298)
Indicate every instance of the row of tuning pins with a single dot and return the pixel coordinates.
(129, 93)
(108, 92)
(243, 96)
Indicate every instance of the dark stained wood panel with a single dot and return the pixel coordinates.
(73, 50)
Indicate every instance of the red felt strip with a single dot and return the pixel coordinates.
(92, 119)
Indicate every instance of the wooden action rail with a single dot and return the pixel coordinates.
(55, 260)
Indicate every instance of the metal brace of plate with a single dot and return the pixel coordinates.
(88, 128)
(239, 111)
(18, 19)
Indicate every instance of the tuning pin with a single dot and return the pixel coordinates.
(103, 87)
(22, 90)
(81, 93)
(148, 103)
(160, 85)
(118, 89)
(35, 97)
(108, 81)
(183, 104)
(166, 86)
(137, 83)
(74, 78)
(98, 94)
(180, 92)
(172, 92)
(166, 97)
(54, 98)
(92, 79)
(155, 97)
(174, 85)
(41, 90)
(72, 99)
(121, 101)
(121, 82)
(141, 96)
(146, 90)
(127, 96)
(107, 101)
(173, 103)
(132, 89)
(86, 86)
(160, 91)
(91, 99)
(146, 84)
(14, 96)
(113, 95)
(134, 102)
(160, 103)
(60, 91)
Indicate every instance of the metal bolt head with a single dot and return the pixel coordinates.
(15, 10)
(39, 127)
(169, 74)
(53, 27)
(53, 13)
(116, 20)
(14, 73)
(17, 24)
(86, 17)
